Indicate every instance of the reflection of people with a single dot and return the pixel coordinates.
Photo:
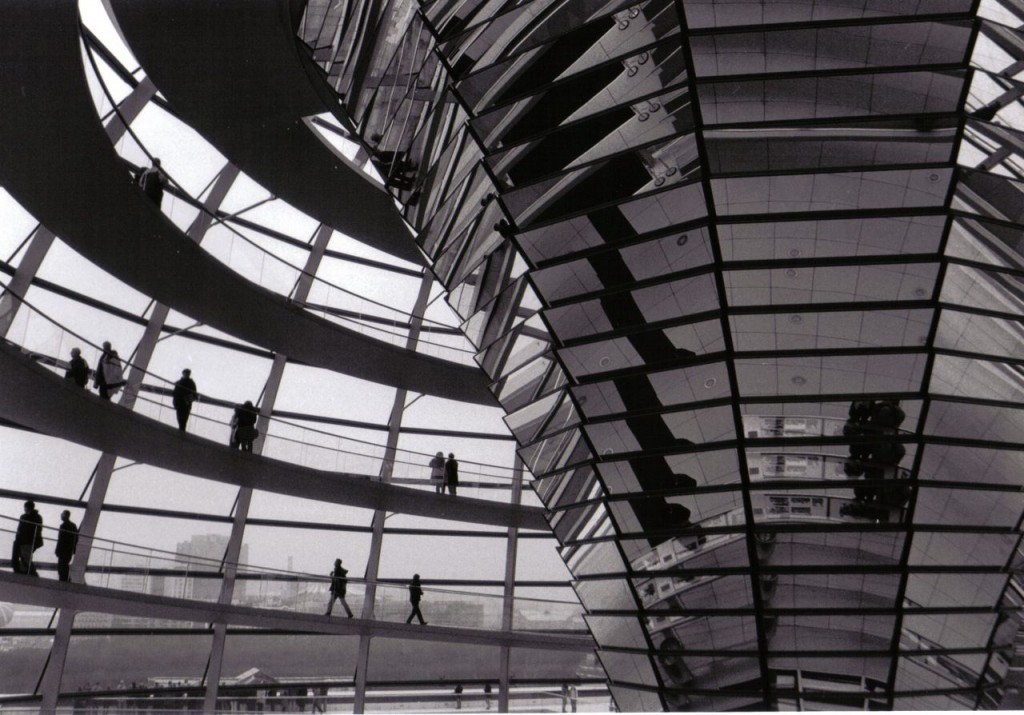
(458, 697)
(415, 594)
(78, 370)
(27, 539)
(573, 697)
(437, 472)
(487, 695)
(151, 181)
(243, 426)
(451, 474)
(67, 543)
(339, 585)
(565, 696)
(184, 395)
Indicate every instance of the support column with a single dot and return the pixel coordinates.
(373, 560)
(234, 550)
(42, 238)
(508, 606)
(54, 673)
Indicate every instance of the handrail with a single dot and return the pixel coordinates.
(217, 566)
(424, 457)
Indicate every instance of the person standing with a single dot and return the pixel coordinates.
(451, 474)
(78, 370)
(339, 585)
(415, 594)
(184, 395)
(27, 539)
(99, 380)
(151, 181)
(437, 472)
(243, 424)
(67, 543)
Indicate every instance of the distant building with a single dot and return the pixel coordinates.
(203, 553)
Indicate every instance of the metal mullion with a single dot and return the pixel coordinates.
(795, 527)
(829, 23)
(843, 169)
(796, 570)
(986, 267)
(723, 300)
(859, 120)
(926, 379)
(746, 265)
(808, 611)
(934, 68)
(763, 443)
(1001, 599)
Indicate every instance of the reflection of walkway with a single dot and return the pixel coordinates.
(84, 598)
(47, 107)
(39, 399)
(256, 86)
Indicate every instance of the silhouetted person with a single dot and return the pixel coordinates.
(437, 472)
(151, 181)
(415, 594)
(99, 380)
(67, 543)
(487, 695)
(27, 539)
(78, 370)
(458, 697)
(339, 585)
(244, 424)
(451, 474)
(184, 395)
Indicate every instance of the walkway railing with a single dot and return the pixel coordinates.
(156, 572)
(286, 440)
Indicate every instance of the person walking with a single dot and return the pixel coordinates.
(152, 181)
(27, 539)
(99, 380)
(339, 585)
(451, 474)
(243, 425)
(78, 370)
(415, 594)
(184, 395)
(67, 543)
(437, 472)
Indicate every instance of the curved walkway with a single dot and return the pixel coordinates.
(57, 162)
(95, 599)
(38, 398)
(234, 70)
